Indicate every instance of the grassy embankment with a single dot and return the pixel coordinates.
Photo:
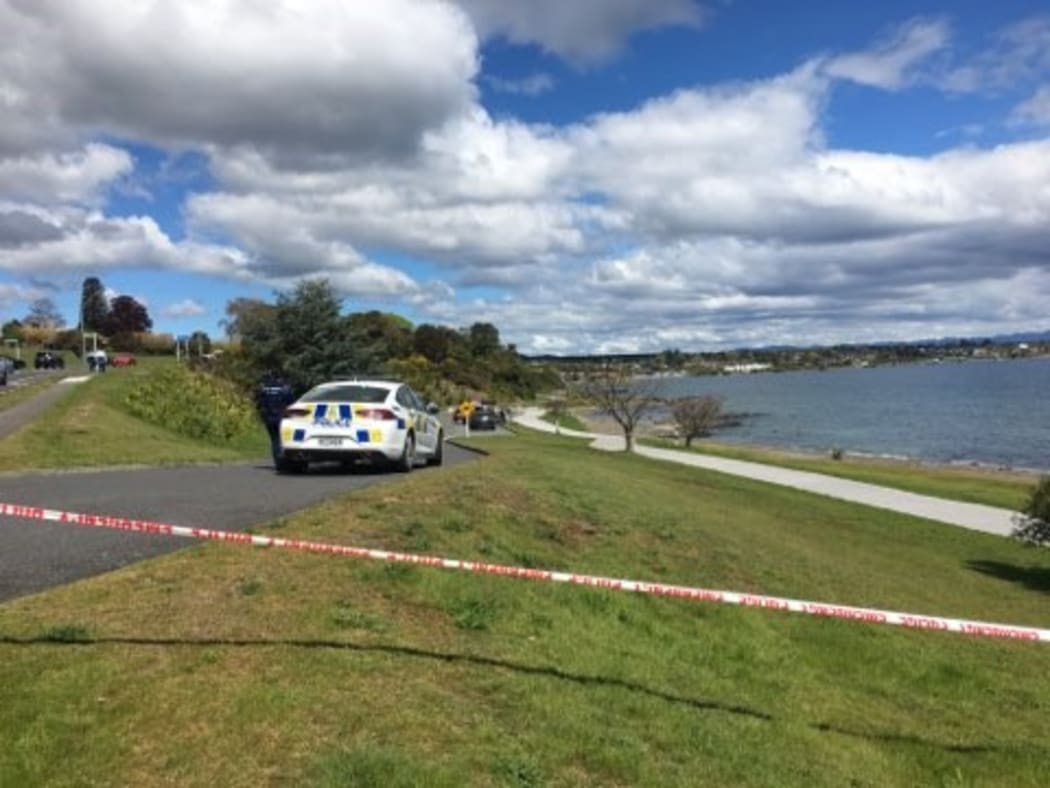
(567, 421)
(223, 665)
(92, 425)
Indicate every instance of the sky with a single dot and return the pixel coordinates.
(592, 176)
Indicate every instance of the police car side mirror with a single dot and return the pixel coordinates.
(433, 409)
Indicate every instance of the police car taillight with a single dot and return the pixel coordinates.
(296, 413)
(376, 414)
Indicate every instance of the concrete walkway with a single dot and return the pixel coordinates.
(976, 517)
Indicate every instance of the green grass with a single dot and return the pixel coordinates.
(975, 485)
(91, 426)
(567, 421)
(224, 665)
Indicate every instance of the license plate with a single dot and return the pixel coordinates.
(329, 441)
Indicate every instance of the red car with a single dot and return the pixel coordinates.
(123, 360)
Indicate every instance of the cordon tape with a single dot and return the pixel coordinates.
(863, 614)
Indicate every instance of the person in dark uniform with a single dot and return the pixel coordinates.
(273, 396)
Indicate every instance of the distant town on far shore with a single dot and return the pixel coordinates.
(785, 358)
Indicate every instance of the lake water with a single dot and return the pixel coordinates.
(993, 412)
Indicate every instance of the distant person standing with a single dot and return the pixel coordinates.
(273, 396)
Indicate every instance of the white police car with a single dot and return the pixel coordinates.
(360, 420)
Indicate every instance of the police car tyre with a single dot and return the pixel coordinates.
(408, 456)
(290, 466)
(439, 451)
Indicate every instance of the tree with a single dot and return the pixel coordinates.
(12, 329)
(381, 336)
(94, 307)
(200, 343)
(248, 317)
(44, 314)
(434, 342)
(126, 316)
(308, 340)
(615, 393)
(483, 339)
(557, 409)
(1032, 525)
(695, 417)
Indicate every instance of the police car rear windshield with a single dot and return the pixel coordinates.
(347, 393)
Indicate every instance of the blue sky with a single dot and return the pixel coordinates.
(603, 175)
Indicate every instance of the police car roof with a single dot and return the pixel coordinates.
(389, 384)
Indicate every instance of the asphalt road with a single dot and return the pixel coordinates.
(35, 556)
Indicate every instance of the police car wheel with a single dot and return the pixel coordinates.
(408, 455)
(290, 466)
(439, 450)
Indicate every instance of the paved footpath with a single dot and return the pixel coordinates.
(976, 517)
(14, 418)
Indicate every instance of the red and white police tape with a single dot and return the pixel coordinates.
(869, 615)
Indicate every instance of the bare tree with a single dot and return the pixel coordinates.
(695, 417)
(617, 394)
(557, 407)
(44, 314)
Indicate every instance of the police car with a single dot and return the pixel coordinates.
(360, 420)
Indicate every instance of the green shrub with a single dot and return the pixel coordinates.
(194, 404)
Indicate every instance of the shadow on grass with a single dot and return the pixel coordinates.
(82, 639)
(1036, 578)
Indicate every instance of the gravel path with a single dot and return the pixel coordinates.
(976, 517)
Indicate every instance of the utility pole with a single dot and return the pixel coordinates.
(83, 339)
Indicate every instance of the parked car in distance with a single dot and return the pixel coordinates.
(16, 363)
(352, 421)
(49, 359)
(485, 417)
(123, 360)
(97, 360)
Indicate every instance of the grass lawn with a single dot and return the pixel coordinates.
(90, 427)
(224, 665)
(567, 421)
(1007, 489)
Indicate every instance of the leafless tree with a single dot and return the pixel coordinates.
(557, 407)
(626, 399)
(695, 417)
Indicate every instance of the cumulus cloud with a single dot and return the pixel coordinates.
(81, 240)
(75, 176)
(22, 228)
(187, 307)
(713, 216)
(581, 30)
(303, 81)
(892, 64)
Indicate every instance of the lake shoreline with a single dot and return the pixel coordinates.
(663, 430)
